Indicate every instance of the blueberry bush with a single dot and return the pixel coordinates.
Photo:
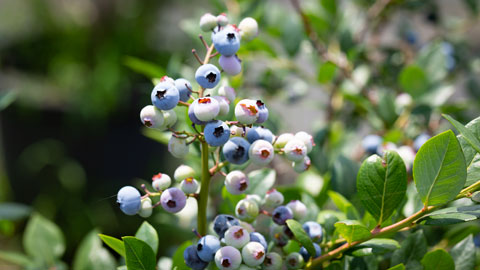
(389, 179)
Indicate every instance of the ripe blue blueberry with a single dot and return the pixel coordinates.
(192, 259)
(259, 133)
(295, 150)
(253, 254)
(281, 214)
(191, 113)
(206, 109)
(237, 236)
(152, 117)
(273, 261)
(294, 260)
(261, 152)
(228, 258)
(314, 231)
(258, 237)
(222, 223)
(372, 143)
(273, 198)
(420, 140)
(161, 181)
(183, 86)
(236, 150)
(165, 96)
(207, 246)
(246, 111)
(236, 182)
(299, 209)
(306, 255)
(207, 76)
(216, 133)
(129, 199)
(173, 200)
(262, 112)
(226, 41)
(189, 185)
(230, 64)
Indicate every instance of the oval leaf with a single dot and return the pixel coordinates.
(92, 256)
(352, 230)
(382, 184)
(439, 169)
(301, 235)
(149, 235)
(139, 255)
(375, 246)
(114, 243)
(463, 254)
(438, 260)
(43, 239)
(465, 132)
(411, 252)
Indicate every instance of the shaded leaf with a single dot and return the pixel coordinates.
(344, 205)
(411, 251)
(352, 230)
(139, 255)
(301, 236)
(43, 239)
(472, 158)
(178, 261)
(376, 246)
(114, 243)
(413, 80)
(149, 235)
(438, 260)
(326, 72)
(452, 215)
(144, 67)
(397, 267)
(466, 133)
(463, 254)
(14, 211)
(261, 181)
(15, 257)
(91, 255)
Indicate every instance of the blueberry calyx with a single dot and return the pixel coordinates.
(161, 93)
(230, 36)
(199, 247)
(218, 132)
(226, 262)
(211, 77)
(171, 203)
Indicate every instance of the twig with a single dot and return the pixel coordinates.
(197, 57)
(203, 41)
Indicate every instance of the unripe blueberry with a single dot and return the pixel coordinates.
(256, 198)
(227, 92)
(192, 259)
(314, 230)
(167, 79)
(262, 112)
(208, 22)
(178, 147)
(247, 210)
(253, 254)
(259, 133)
(261, 152)
(248, 28)
(299, 209)
(170, 118)
(303, 165)
(165, 96)
(306, 138)
(226, 41)
(278, 235)
(372, 143)
(207, 246)
(189, 185)
(294, 260)
(258, 237)
(282, 140)
(129, 199)
(306, 256)
(152, 117)
(206, 109)
(222, 19)
(237, 237)
(273, 198)
(281, 214)
(230, 64)
(244, 267)
(146, 208)
(182, 172)
(173, 200)
(236, 150)
(191, 113)
(228, 258)
(224, 105)
(273, 261)
(207, 76)
(222, 223)
(236, 182)
(420, 140)
(216, 133)
(236, 131)
(295, 150)
(161, 181)
(183, 86)
(246, 111)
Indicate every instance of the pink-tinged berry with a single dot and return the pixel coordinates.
(227, 92)
(236, 182)
(261, 152)
(273, 198)
(295, 150)
(161, 181)
(301, 166)
(228, 258)
(230, 64)
(298, 208)
(246, 111)
(253, 254)
(152, 117)
(307, 139)
(237, 236)
(222, 19)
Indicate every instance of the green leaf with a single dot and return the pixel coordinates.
(14, 211)
(438, 260)
(178, 261)
(472, 158)
(261, 181)
(413, 80)
(382, 184)
(149, 235)
(15, 257)
(466, 133)
(397, 267)
(452, 215)
(439, 169)
(411, 252)
(146, 68)
(326, 72)
(352, 230)
(43, 239)
(139, 255)
(473, 171)
(301, 236)
(463, 254)
(344, 205)
(376, 246)
(114, 243)
(91, 255)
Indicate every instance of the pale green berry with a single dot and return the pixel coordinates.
(303, 165)
(208, 22)
(178, 147)
(282, 140)
(182, 172)
(294, 260)
(247, 210)
(248, 28)
(146, 208)
(253, 254)
(170, 118)
(306, 138)
(247, 226)
(152, 117)
(273, 261)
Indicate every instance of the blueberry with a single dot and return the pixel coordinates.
(262, 112)
(299, 209)
(258, 237)
(306, 256)
(247, 210)
(226, 41)
(230, 64)
(256, 198)
(208, 22)
(178, 147)
(236, 182)
(295, 150)
(222, 223)
(189, 185)
(253, 254)
(259, 133)
(182, 172)
(207, 246)
(420, 140)
(278, 236)
(146, 208)
(273, 261)
(224, 105)
(371, 144)
(314, 230)
(151, 117)
(207, 76)
(301, 166)
(183, 86)
(216, 133)
(236, 150)
(191, 113)
(170, 118)
(192, 260)
(173, 200)
(261, 152)
(282, 140)
(306, 138)
(273, 198)
(294, 260)
(228, 258)
(165, 96)
(281, 214)
(206, 108)
(161, 181)
(222, 19)
(129, 199)
(246, 111)
(248, 28)
(237, 236)
(227, 92)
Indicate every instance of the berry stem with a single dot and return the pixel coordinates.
(196, 56)
(203, 196)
